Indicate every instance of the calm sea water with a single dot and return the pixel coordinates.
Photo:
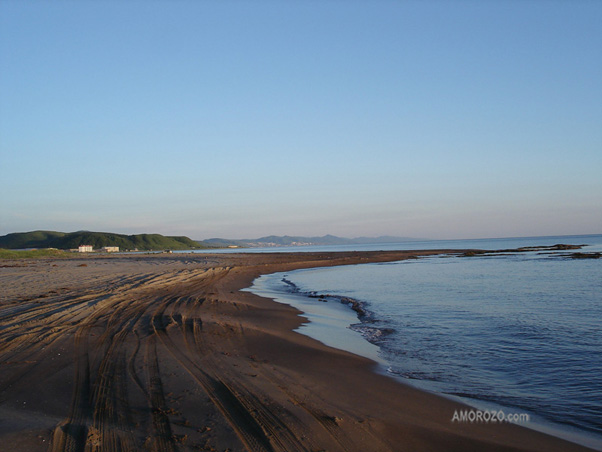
(519, 331)
(485, 244)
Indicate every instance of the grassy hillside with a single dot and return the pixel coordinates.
(32, 254)
(65, 241)
(35, 239)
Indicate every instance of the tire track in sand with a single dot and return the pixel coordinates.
(71, 434)
(237, 415)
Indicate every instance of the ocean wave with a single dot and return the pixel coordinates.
(373, 334)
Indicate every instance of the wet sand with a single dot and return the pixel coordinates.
(165, 353)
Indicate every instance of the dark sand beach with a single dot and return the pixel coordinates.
(165, 353)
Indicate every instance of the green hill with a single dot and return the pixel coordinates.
(65, 241)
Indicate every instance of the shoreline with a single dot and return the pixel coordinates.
(326, 322)
(334, 330)
(167, 353)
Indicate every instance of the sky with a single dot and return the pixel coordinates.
(239, 119)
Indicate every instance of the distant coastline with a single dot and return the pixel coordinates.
(154, 242)
(287, 240)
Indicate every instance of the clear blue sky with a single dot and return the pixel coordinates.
(436, 119)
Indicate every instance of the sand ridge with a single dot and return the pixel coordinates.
(164, 353)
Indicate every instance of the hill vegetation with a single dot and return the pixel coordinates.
(71, 240)
(32, 254)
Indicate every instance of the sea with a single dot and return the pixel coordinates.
(518, 332)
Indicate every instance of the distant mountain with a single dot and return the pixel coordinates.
(223, 243)
(386, 239)
(71, 240)
(286, 240)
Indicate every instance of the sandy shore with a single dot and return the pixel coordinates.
(164, 353)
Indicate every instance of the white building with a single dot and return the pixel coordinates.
(85, 249)
(110, 249)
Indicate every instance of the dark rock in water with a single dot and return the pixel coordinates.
(560, 246)
(557, 247)
(524, 249)
(473, 253)
(291, 285)
(585, 255)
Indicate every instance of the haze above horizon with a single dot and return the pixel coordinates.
(247, 119)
